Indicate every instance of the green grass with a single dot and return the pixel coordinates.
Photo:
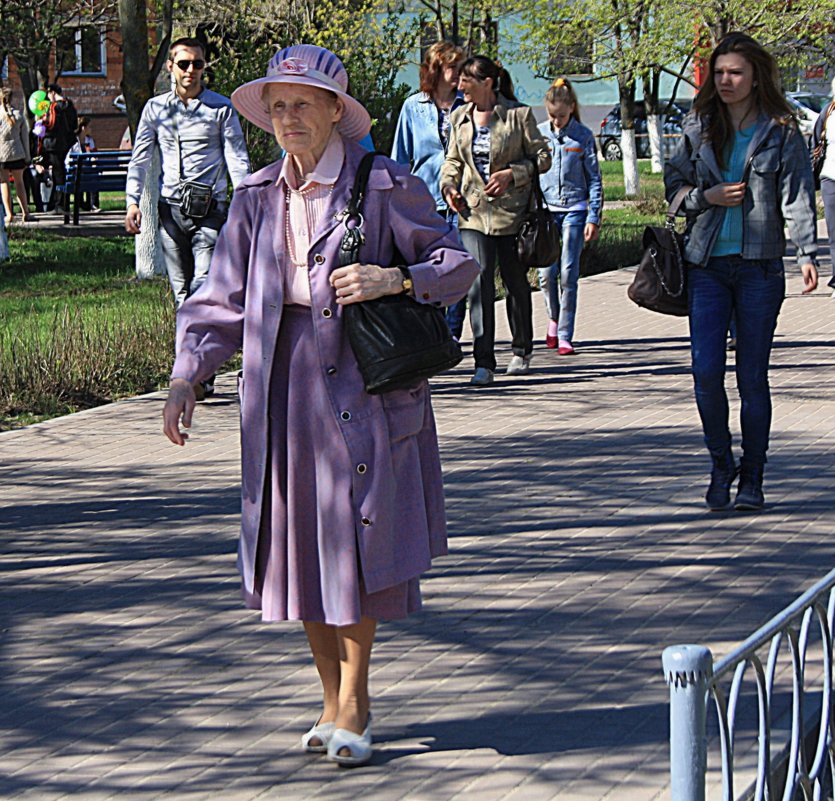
(76, 327)
(650, 184)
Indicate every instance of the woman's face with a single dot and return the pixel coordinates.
(303, 117)
(476, 90)
(451, 73)
(559, 114)
(733, 77)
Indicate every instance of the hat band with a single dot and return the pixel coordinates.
(296, 68)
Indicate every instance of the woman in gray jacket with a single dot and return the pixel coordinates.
(746, 171)
(14, 156)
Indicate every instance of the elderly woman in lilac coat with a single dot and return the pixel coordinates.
(342, 492)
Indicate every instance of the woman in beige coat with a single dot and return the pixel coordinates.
(494, 147)
(14, 156)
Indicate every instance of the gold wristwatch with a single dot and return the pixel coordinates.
(408, 283)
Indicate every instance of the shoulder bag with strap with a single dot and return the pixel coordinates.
(397, 341)
(660, 283)
(196, 198)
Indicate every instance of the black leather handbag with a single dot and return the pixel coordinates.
(819, 150)
(396, 340)
(660, 283)
(538, 240)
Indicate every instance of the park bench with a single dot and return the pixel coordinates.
(100, 171)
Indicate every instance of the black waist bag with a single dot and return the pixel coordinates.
(396, 340)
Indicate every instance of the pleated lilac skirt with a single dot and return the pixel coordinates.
(308, 566)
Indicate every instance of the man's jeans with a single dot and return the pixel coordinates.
(486, 250)
(187, 247)
(559, 281)
(752, 292)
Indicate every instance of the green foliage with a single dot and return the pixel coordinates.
(373, 39)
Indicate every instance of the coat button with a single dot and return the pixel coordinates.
(345, 415)
(362, 468)
(319, 258)
(327, 313)
(331, 371)
(426, 296)
(366, 521)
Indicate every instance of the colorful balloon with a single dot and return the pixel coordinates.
(35, 99)
(42, 108)
(39, 129)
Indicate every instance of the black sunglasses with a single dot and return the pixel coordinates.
(184, 64)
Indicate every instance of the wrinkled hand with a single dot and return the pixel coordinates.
(498, 183)
(726, 194)
(133, 219)
(591, 232)
(455, 200)
(358, 282)
(810, 277)
(180, 403)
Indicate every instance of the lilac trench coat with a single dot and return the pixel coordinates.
(398, 503)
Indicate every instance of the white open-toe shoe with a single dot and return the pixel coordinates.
(322, 731)
(359, 746)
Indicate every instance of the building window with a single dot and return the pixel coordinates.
(80, 51)
(576, 58)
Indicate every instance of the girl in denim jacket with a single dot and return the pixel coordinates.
(573, 191)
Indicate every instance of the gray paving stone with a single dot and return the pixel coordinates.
(579, 549)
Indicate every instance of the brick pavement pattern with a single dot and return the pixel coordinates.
(580, 547)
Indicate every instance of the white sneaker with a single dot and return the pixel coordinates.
(482, 377)
(519, 365)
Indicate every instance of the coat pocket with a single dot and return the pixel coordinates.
(405, 411)
(766, 161)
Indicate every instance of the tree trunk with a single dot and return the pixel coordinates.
(137, 82)
(655, 132)
(149, 261)
(626, 87)
(630, 162)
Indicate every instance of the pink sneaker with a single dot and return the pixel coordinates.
(566, 348)
(550, 342)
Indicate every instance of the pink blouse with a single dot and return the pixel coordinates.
(306, 202)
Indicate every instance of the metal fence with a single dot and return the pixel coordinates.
(694, 679)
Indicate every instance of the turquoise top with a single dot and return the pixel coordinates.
(729, 241)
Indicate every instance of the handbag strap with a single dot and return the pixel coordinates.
(537, 200)
(349, 249)
(675, 205)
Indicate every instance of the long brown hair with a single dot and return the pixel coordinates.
(438, 56)
(481, 67)
(767, 95)
(6, 105)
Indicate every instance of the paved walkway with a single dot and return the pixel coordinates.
(579, 549)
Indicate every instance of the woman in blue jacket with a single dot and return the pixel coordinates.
(573, 190)
(420, 141)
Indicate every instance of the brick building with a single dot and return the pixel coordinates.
(90, 75)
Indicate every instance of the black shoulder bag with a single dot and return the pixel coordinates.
(660, 283)
(538, 240)
(396, 340)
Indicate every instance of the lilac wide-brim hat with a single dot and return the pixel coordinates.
(307, 65)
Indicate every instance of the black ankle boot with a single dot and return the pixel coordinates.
(722, 475)
(749, 497)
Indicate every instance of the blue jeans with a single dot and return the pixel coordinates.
(187, 247)
(559, 281)
(752, 292)
(456, 313)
